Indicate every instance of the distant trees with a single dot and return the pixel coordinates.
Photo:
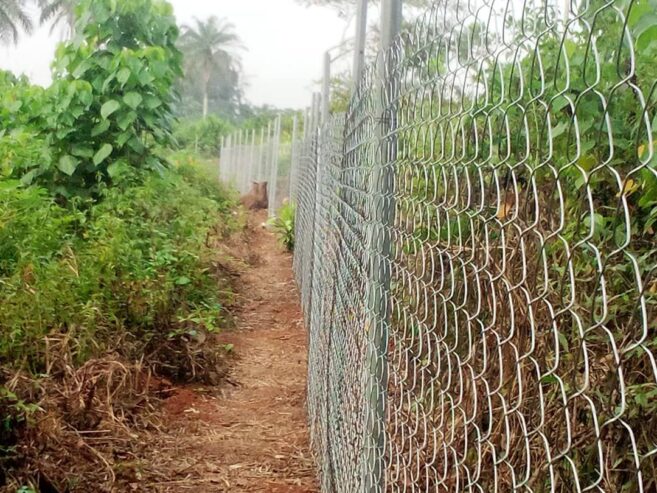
(13, 16)
(211, 61)
(60, 12)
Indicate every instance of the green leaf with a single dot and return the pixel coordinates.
(183, 281)
(81, 151)
(126, 120)
(153, 102)
(549, 379)
(108, 108)
(136, 145)
(9, 185)
(67, 164)
(123, 76)
(123, 138)
(145, 78)
(14, 106)
(101, 128)
(103, 154)
(28, 178)
(116, 169)
(133, 99)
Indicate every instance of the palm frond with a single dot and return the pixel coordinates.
(13, 15)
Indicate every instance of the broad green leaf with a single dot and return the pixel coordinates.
(133, 99)
(103, 154)
(81, 151)
(145, 78)
(29, 177)
(101, 128)
(123, 76)
(123, 138)
(126, 120)
(152, 102)
(108, 108)
(67, 164)
(136, 145)
(117, 168)
(81, 69)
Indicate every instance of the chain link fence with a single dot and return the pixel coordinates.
(477, 257)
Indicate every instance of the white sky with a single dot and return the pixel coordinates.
(285, 43)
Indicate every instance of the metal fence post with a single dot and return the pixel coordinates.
(261, 147)
(226, 165)
(361, 34)
(222, 150)
(238, 162)
(313, 136)
(274, 167)
(251, 166)
(326, 88)
(379, 243)
(293, 158)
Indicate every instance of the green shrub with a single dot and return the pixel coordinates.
(129, 270)
(110, 104)
(203, 136)
(283, 225)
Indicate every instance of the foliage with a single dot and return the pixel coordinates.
(202, 135)
(110, 103)
(112, 95)
(283, 225)
(341, 87)
(129, 268)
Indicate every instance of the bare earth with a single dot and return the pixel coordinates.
(250, 433)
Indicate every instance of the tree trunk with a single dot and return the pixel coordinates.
(205, 103)
(206, 84)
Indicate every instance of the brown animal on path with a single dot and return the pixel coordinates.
(257, 198)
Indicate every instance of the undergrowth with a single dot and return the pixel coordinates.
(130, 278)
(283, 225)
(131, 267)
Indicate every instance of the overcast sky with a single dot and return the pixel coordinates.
(285, 43)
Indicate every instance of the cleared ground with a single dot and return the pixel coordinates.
(249, 434)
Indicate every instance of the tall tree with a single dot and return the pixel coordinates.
(61, 13)
(13, 15)
(210, 46)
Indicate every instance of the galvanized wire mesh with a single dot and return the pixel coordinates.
(477, 257)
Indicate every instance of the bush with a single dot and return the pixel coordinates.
(202, 136)
(110, 104)
(283, 225)
(127, 271)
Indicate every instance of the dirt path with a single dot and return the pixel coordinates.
(250, 435)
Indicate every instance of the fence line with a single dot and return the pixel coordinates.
(476, 255)
(245, 160)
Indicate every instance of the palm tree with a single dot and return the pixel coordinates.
(13, 15)
(60, 12)
(210, 46)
